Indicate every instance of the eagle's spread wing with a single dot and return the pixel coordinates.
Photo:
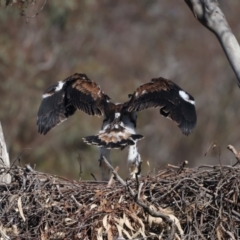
(174, 102)
(62, 100)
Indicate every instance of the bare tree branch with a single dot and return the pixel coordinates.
(210, 15)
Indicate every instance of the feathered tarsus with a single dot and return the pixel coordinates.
(78, 92)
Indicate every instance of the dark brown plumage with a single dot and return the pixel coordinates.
(174, 102)
(78, 92)
(62, 100)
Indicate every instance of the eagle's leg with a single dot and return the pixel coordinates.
(134, 161)
(104, 168)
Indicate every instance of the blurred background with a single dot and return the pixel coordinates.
(120, 45)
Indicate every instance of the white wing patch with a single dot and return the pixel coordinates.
(47, 95)
(59, 87)
(185, 97)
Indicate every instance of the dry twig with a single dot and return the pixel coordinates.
(198, 203)
(235, 152)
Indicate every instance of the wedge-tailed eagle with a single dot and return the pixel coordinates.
(78, 92)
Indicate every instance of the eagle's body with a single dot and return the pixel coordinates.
(119, 124)
(118, 128)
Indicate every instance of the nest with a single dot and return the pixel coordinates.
(198, 203)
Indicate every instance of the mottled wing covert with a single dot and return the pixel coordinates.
(174, 102)
(62, 100)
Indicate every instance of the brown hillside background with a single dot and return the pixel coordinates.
(120, 45)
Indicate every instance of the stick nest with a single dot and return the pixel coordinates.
(203, 203)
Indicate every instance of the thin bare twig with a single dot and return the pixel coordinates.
(118, 178)
(182, 166)
(235, 152)
(93, 177)
(80, 167)
(110, 182)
